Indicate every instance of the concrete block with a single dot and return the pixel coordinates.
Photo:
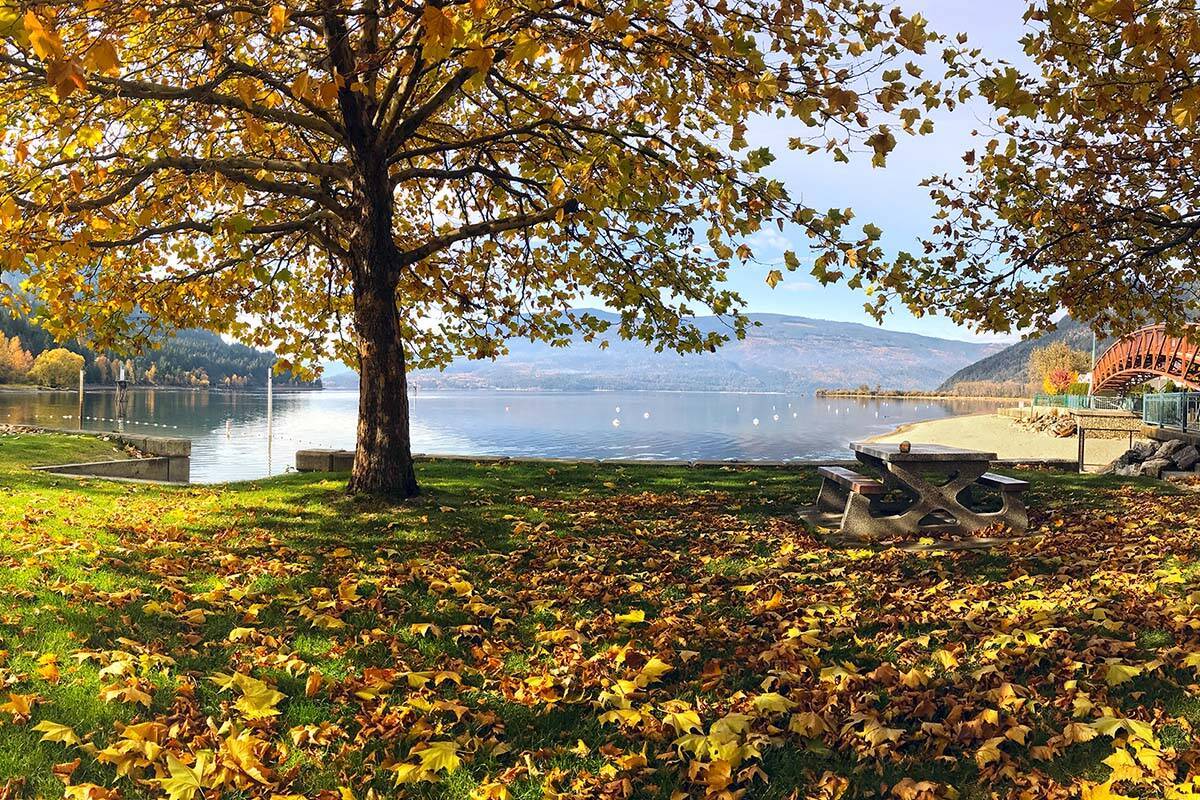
(167, 446)
(323, 460)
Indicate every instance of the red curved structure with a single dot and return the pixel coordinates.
(1144, 354)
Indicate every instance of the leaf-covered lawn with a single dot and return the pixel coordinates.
(582, 631)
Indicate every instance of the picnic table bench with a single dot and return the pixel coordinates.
(923, 489)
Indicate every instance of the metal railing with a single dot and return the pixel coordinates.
(1178, 410)
(1095, 401)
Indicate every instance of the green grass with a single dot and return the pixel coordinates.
(485, 613)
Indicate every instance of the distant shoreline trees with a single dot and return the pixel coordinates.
(15, 360)
(57, 368)
(1056, 368)
(965, 389)
(192, 359)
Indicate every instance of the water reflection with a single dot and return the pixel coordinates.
(242, 435)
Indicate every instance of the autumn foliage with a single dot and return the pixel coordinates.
(1080, 192)
(15, 360)
(567, 631)
(329, 179)
(58, 367)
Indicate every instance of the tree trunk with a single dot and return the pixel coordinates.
(383, 460)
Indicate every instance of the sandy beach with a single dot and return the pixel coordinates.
(1001, 436)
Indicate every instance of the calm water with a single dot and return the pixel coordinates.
(230, 441)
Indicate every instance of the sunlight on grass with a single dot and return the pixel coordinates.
(528, 631)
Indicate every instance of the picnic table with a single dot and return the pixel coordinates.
(922, 489)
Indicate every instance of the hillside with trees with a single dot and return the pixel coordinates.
(190, 358)
(1008, 371)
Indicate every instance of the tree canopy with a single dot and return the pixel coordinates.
(1082, 194)
(57, 367)
(400, 183)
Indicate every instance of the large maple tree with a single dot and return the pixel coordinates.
(403, 183)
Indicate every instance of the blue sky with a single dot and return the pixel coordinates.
(890, 197)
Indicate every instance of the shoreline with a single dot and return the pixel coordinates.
(898, 396)
(992, 433)
(905, 427)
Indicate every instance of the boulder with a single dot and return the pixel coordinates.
(1134, 455)
(1167, 449)
(1186, 457)
(1143, 450)
(1153, 468)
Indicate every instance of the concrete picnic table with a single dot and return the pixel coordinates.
(929, 477)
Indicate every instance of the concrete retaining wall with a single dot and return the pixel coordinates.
(159, 469)
(318, 460)
(1166, 434)
(172, 462)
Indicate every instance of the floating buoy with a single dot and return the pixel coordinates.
(616, 423)
(775, 417)
(618, 409)
(756, 421)
(646, 415)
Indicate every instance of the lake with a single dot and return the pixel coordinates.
(231, 438)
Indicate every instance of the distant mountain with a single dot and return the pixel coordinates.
(1011, 365)
(783, 353)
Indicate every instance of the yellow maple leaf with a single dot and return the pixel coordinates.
(410, 773)
(989, 751)
(54, 732)
(653, 671)
(279, 18)
(772, 702)
(1101, 791)
(184, 782)
(102, 57)
(1116, 673)
(440, 757)
(684, 721)
(258, 700)
(19, 705)
(241, 751)
(634, 617)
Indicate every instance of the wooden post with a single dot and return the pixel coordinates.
(1082, 436)
(80, 399)
(270, 412)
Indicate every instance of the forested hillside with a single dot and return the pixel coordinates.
(1008, 370)
(189, 358)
